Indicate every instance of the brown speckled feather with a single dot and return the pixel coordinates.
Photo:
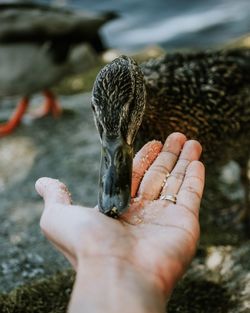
(204, 95)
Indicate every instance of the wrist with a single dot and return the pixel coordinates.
(108, 284)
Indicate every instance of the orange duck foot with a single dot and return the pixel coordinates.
(8, 127)
(50, 106)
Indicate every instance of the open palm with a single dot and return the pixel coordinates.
(157, 237)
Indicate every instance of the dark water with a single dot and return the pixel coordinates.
(170, 23)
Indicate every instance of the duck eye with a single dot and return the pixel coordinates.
(93, 107)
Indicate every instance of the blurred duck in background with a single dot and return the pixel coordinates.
(40, 45)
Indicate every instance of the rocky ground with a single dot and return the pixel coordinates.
(66, 149)
(33, 274)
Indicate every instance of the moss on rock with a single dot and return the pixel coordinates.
(200, 296)
(49, 295)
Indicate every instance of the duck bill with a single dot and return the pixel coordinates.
(115, 177)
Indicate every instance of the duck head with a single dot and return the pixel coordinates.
(118, 103)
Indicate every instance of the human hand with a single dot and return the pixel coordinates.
(155, 237)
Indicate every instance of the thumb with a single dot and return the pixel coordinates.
(52, 191)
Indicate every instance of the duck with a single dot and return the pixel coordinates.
(41, 44)
(204, 95)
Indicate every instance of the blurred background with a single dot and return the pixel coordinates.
(169, 23)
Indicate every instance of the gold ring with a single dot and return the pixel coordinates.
(171, 198)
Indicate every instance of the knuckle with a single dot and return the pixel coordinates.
(137, 175)
(177, 175)
(193, 191)
(183, 163)
(160, 168)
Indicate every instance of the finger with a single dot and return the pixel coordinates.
(143, 159)
(52, 191)
(152, 181)
(191, 151)
(191, 190)
(59, 224)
